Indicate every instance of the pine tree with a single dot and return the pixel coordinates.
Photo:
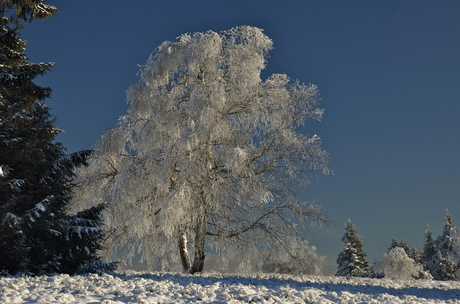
(35, 173)
(352, 260)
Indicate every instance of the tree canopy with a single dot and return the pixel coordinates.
(208, 156)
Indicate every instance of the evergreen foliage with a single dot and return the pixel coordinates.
(82, 236)
(352, 260)
(98, 267)
(402, 244)
(35, 173)
(429, 247)
(416, 256)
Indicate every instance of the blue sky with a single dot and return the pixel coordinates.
(388, 72)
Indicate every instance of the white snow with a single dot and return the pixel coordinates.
(216, 288)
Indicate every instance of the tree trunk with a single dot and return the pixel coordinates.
(184, 257)
(198, 261)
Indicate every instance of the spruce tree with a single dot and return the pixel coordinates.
(416, 256)
(429, 249)
(35, 173)
(82, 239)
(441, 265)
(394, 244)
(402, 244)
(352, 260)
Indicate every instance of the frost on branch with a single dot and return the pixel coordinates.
(208, 152)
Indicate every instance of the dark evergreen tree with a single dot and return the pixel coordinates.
(82, 238)
(352, 260)
(26, 131)
(402, 244)
(429, 247)
(394, 244)
(416, 256)
(35, 173)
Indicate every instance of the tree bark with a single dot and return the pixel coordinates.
(184, 257)
(198, 261)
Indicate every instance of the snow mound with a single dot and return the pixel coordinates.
(216, 288)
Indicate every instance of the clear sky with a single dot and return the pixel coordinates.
(388, 72)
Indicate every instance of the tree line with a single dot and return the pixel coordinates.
(439, 258)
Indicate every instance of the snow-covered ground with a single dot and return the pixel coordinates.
(216, 288)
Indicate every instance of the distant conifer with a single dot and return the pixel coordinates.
(352, 260)
(441, 265)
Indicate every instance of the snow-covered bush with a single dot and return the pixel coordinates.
(397, 265)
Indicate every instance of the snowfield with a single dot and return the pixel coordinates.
(136, 287)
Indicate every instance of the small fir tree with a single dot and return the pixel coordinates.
(352, 260)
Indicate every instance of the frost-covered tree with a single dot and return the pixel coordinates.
(414, 255)
(352, 260)
(397, 265)
(35, 173)
(442, 264)
(208, 156)
(455, 254)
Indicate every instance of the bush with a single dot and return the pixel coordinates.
(397, 265)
